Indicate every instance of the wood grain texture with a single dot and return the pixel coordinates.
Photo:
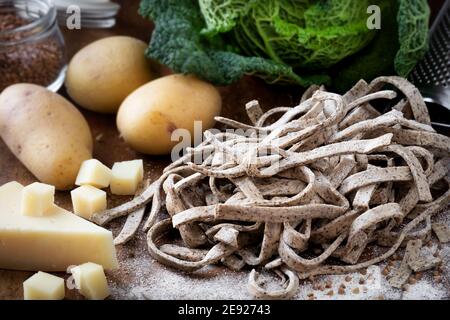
(111, 148)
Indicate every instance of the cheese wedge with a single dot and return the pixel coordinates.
(49, 243)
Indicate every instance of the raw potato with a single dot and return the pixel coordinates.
(101, 75)
(46, 132)
(147, 118)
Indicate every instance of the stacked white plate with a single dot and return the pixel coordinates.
(93, 13)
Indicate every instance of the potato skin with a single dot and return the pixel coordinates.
(102, 74)
(147, 118)
(46, 132)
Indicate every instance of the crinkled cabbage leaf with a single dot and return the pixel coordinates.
(286, 41)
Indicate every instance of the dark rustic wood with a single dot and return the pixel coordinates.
(111, 148)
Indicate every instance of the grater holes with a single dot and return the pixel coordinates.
(434, 69)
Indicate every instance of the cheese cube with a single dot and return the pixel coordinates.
(37, 199)
(90, 279)
(94, 173)
(126, 177)
(87, 200)
(43, 286)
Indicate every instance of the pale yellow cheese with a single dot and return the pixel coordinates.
(126, 177)
(43, 286)
(91, 281)
(87, 200)
(49, 243)
(94, 173)
(37, 199)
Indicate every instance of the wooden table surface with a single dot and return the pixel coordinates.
(111, 148)
(138, 271)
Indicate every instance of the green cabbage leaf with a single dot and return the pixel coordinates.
(413, 34)
(286, 41)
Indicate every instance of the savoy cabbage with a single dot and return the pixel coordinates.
(286, 41)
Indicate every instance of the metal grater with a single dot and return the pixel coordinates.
(432, 74)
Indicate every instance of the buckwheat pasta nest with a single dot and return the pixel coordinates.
(332, 174)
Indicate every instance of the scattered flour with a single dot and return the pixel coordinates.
(141, 277)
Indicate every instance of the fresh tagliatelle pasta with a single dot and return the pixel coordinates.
(303, 191)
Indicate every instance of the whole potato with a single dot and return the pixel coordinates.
(46, 132)
(101, 75)
(147, 118)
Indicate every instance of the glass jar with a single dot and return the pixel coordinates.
(32, 47)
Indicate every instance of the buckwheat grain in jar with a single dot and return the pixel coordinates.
(31, 45)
